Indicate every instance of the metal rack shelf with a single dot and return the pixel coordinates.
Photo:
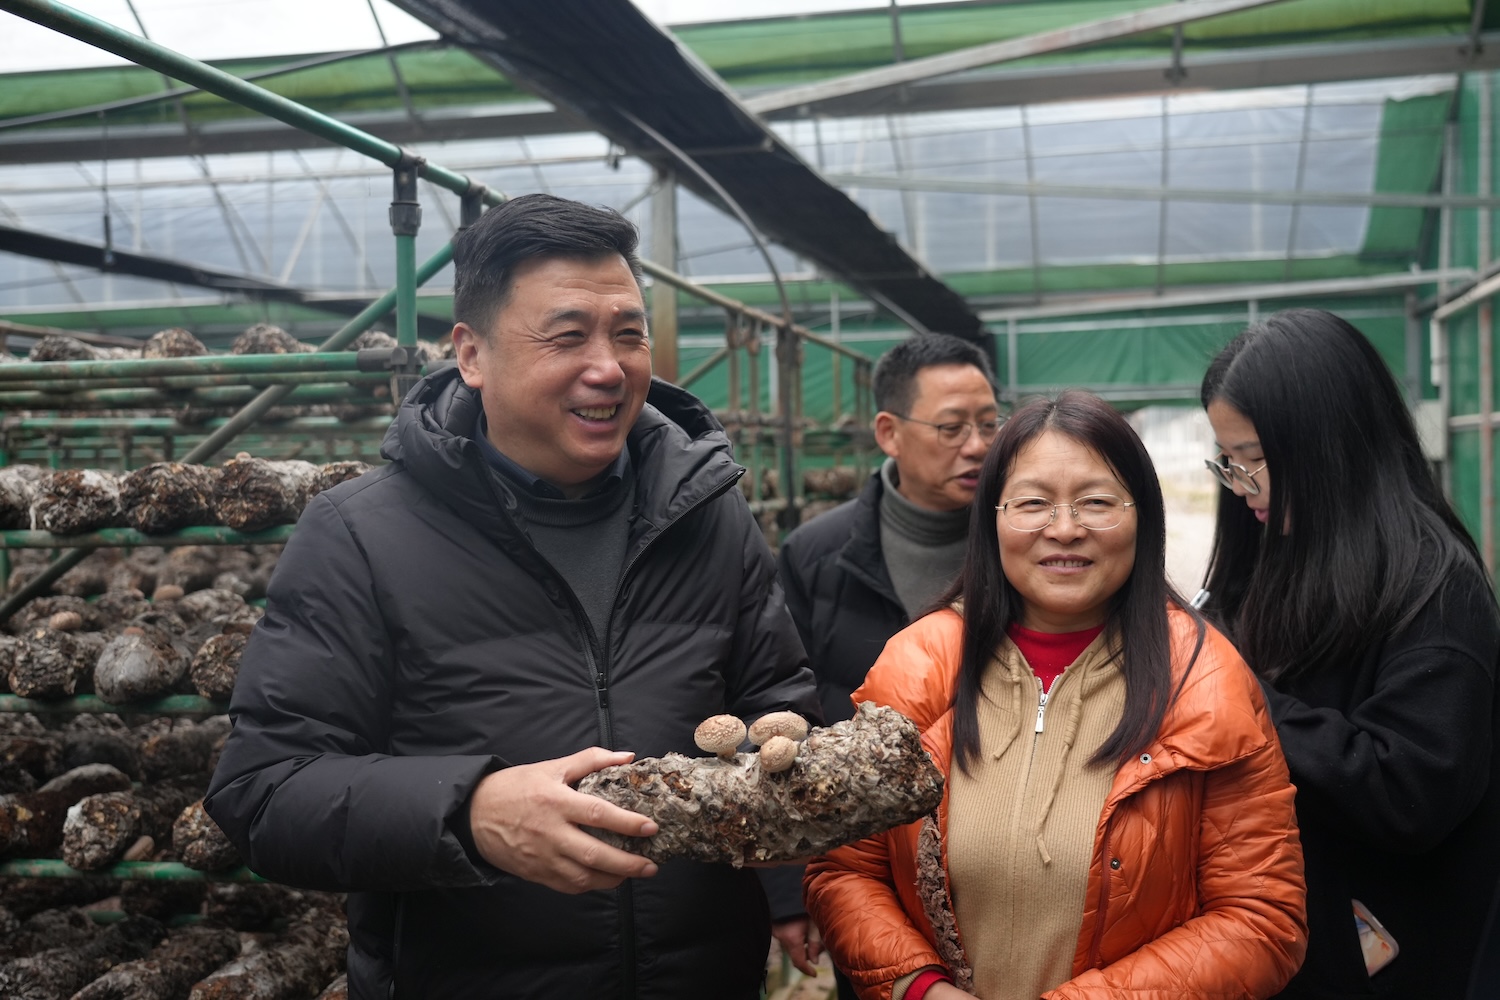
(88, 704)
(133, 871)
(108, 538)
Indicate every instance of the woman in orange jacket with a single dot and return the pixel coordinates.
(1118, 820)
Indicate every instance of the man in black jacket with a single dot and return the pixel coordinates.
(858, 574)
(555, 569)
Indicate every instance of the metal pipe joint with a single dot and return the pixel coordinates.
(471, 204)
(406, 210)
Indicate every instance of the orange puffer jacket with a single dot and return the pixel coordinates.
(1195, 889)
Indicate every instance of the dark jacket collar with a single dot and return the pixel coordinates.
(861, 555)
(679, 450)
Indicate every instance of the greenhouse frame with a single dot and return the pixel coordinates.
(1102, 192)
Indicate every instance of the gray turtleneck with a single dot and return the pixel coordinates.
(584, 539)
(923, 549)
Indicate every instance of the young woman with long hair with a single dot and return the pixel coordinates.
(1118, 818)
(1345, 579)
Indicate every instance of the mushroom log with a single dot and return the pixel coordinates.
(845, 782)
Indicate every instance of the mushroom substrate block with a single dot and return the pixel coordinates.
(253, 493)
(169, 972)
(166, 496)
(58, 973)
(73, 501)
(100, 829)
(200, 843)
(300, 963)
(850, 780)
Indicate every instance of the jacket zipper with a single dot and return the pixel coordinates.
(596, 650)
(601, 671)
(1041, 705)
(626, 894)
(390, 993)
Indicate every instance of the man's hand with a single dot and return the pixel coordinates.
(947, 991)
(800, 940)
(525, 820)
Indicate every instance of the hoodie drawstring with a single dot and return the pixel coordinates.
(1070, 736)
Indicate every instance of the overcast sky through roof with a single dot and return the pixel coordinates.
(225, 29)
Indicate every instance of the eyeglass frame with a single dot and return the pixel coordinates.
(1222, 472)
(1072, 509)
(972, 425)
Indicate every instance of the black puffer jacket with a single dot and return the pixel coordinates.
(414, 641)
(841, 596)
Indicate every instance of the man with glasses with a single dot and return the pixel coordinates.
(860, 573)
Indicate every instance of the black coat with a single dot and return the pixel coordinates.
(1396, 760)
(841, 597)
(414, 641)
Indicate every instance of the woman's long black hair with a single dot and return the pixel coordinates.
(1370, 535)
(1137, 616)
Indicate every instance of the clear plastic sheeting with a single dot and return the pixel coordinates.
(1286, 140)
(316, 219)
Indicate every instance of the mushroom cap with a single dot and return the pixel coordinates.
(720, 734)
(788, 724)
(167, 592)
(778, 753)
(65, 621)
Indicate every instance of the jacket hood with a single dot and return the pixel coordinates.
(679, 449)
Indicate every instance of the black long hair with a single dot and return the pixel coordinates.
(1136, 620)
(1371, 536)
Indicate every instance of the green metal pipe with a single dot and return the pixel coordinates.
(35, 452)
(42, 582)
(343, 338)
(204, 364)
(117, 916)
(178, 382)
(70, 426)
(87, 704)
(149, 399)
(104, 35)
(406, 291)
(145, 444)
(135, 871)
(117, 461)
(116, 537)
(231, 428)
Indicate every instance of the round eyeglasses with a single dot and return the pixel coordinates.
(956, 433)
(1231, 475)
(1096, 512)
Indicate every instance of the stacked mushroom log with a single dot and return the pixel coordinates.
(234, 953)
(823, 489)
(99, 789)
(245, 493)
(126, 649)
(93, 790)
(261, 338)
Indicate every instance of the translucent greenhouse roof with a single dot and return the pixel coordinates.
(1004, 202)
